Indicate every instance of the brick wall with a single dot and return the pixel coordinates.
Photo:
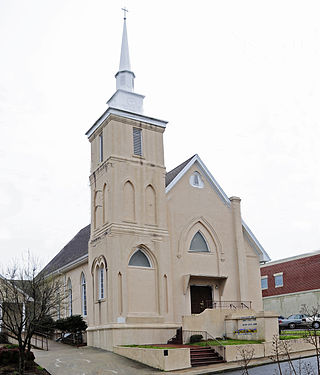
(298, 275)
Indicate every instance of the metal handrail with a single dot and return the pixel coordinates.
(186, 334)
(207, 337)
(41, 337)
(232, 304)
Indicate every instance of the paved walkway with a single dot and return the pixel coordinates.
(63, 359)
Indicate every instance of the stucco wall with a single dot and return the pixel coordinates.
(289, 304)
(174, 360)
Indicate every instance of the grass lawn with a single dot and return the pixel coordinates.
(292, 335)
(149, 346)
(227, 342)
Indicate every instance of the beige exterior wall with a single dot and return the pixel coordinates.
(176, 359)
(298, 347)
(130, 209)
(74, 274)
(191, 209)
(289, 304)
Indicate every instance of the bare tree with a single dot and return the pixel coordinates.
(246, 354)
(281, 352)
(26, 298)
(312, 332)
(278, 353)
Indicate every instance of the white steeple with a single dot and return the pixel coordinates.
(125, 98)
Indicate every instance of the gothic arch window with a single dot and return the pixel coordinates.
(198, 243)
(100, 279)
(129, 201)
(150, 202)
(69, 291)
(139, 259)
(142, 281)
(95, 209)
(104, 203)
(83, 294)
(99, 272)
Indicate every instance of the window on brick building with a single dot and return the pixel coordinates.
(264, 282)
(278, 279)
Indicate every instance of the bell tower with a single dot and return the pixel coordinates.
(129, 249)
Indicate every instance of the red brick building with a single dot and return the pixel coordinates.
(289, 283)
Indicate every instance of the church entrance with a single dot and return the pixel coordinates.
(201, 298)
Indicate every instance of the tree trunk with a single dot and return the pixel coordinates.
(21, 361)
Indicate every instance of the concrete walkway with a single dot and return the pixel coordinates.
(63, 359)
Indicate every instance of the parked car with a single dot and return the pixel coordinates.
(293, 321)
(313, 321)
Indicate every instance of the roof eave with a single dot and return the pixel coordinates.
(67, 267)
(126, 114)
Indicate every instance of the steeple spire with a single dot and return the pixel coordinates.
(124, 57)
(125, 77)
(125, 98)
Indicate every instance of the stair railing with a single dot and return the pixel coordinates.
(206, 337)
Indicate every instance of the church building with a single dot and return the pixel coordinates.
(161, 246)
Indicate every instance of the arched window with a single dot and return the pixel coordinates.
(104, 203)
(198, 243)
(129, 201)
(59, 306)
(95, 209)
(69, 288)
(150, 202)
(83, 295)
(139, 259)
(101, 282)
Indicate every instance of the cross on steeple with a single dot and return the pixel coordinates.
(125, 10)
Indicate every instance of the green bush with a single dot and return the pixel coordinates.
(195, 338)
(3, 338)
(9, 355)
(11, 346)
(46, 326)
(72, 324)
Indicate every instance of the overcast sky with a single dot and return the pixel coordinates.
(237, 80)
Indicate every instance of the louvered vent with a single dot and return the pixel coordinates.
(137, 147)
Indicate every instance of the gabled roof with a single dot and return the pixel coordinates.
(77, 249)
(74, 250)
(170, 176)
(184, 167)
(176, 175)
(21, 285)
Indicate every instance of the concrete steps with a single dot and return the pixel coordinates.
(204, 356)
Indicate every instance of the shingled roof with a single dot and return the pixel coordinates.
(78, 246)
(75, 249)
(174, 172)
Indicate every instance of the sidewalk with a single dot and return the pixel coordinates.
(63, 359)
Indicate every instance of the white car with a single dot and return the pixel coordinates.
(313, 321)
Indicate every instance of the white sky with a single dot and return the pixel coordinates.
(238, 82)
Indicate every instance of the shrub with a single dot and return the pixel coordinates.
(10, 355)
(3, 338)
(11, 346)
(195, 338)
(72, 324)
(46, 326)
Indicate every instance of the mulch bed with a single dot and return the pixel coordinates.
(12, 370)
